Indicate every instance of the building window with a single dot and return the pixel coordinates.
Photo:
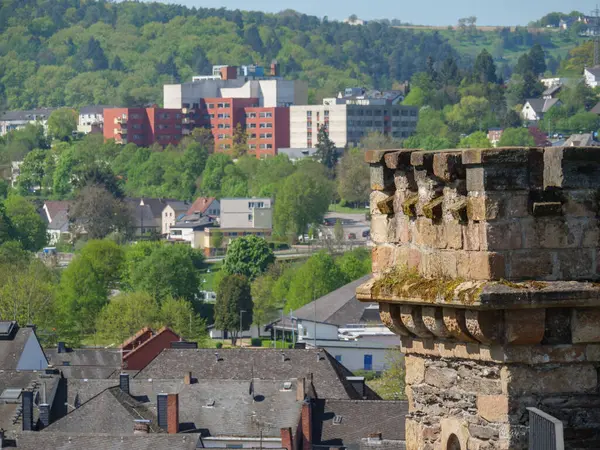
(395, 113)
(266, 146)
(266, 125)
(252, 125)
(251, 115)
(210, 105)
(266, 115)
(405, 112)
(413, 112)
(136, 116)
(252, 146)
(227, 105)
(221, 126)
(249, 217)
(338, 358)
(308, 113)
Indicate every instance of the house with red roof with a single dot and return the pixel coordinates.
(205, 206)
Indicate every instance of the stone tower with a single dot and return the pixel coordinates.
(485, 265)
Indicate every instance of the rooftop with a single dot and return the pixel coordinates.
(12, 344)
(200, 205)
(329, 376)
(541, 105)
(31, 114)
(32, 440)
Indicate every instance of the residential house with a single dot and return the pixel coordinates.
(171, 213)
(28, 440)
(297, 154)
(206, 206)
(534, 108)
(20, 348)
(91, 119)
(353, 20)
(494, 135)
(349, 330)
(328, 376)
(144, 126)
(191, 228)
(142, 348)
(552, 91)
(15, 120)
(591, 76)
(581, 140)
(56, 215)
(141, 213)
(93, 363)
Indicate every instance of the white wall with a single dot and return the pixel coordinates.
(306, 331)
(338, 127)
(528, 113)
(352, 353)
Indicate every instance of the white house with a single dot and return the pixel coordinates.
(15, 120)
(246, 213)
(56, 214)
(535, 108)
(190, 228)
(91, 118)
(349, 330)
(591, 76)
(171, 213)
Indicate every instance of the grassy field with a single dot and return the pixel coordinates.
(209, 275)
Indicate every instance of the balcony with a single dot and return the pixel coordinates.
(120, 119)
(187, 121)
(120, 131)
(188, 110)
(119, 140)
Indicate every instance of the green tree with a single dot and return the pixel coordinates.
(30, 229)
(318, 276)
(214, 173)
(538, 58)
(265, 303)
(355, 263)
(416, 97)
(249, 256)
(32, 171)
(240, 141)
(168, 270)
(233, 297)
(338, 231)
(107, 260)
(484, 69)
(475, 140)
(7, 230)
(391, 385)
(353, 179)
(125, 315)
(516, 137)
(301, 199)
(468, 115)
(179, 315)
(326, 152)
(62, 123)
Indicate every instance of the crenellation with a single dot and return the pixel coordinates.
(487, 266)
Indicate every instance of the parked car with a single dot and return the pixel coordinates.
(329, 222)
(366, 234)
(351, 236)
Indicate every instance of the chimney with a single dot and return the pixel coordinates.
(141, 427)
(61, 347)
(44, 415)
(2, 438)
(287, 441)
(358, 383)
(27, 405)
(187, 378)
(306, 426)
(300, 389)
(124, 383)
(173, 413)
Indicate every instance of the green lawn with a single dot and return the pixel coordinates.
(209, 275)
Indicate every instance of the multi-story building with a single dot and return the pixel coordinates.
(15, 120)
(347, 124)
(143, 126)
(233, 82)
(91, 119)
(268, 130)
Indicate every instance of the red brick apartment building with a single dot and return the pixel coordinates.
(268, 129)
(143, 126)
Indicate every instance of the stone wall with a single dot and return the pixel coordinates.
(485, 265)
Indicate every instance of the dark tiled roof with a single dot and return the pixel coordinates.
(94, 109)
(329, 376)
(193, 221)
(541, 105)
(12, 348)
(594, 71)
(27, 115)
(89, 372)
(56, 207)
(359, 419)
(77, 441)
(552, 90)
(85, 357)
(596, 109)
(105, 408)
(339, 307)
(156, 204)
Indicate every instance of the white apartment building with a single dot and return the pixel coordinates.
(246, 213)
(15, 120)
(348, 123)
(91, 118)
(270, 92)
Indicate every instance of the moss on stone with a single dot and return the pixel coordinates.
(409, 206)
(433, 209)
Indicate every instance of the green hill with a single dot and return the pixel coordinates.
(68, 52)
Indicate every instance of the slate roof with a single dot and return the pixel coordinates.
(55, 207)
(60, 221)
(596, 109)
(552, 90)
(359, 419)
(594, 71)
(178, 206)
(30, 114)
(194, 220)
(12, 348)
(85, 357)
(339, 307)
(76, 441)
(234, 411)
(541, 105)
(329, 376)
(200, 205)
(93, 109)
(156, 204)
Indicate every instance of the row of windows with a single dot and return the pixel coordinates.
(309, 113)
(219, 105)
(379, 112)
(261, 136)
(262, 115)
(262, 125)
(261, 146)
(164, 126)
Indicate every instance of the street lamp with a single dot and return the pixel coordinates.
(241, 327)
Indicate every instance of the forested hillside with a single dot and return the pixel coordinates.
(70, 52)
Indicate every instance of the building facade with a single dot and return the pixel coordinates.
(143, 126)
(246, 213)
(348, 123)
(91, 119)
(15, 120)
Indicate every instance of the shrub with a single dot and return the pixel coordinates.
(219, 345)
(256, 342)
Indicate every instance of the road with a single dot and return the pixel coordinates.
(352, 223)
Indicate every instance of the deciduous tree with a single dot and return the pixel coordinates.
(233, 296)
(249, 256)
(353, 179)
(62, 123)
(30, 229)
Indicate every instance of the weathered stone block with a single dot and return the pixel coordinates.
(429, 234)
(571, 168)
(375, 156)
(405, 180)
(502, 236)
(480, 208)
(455, 322)
(441, 377)
(562, 379)
(486, 266)
(486, 327)
(530, 264)
(503, 155)
(374, 198)
(463, 264)
(497, 178)
(432, 264)
(580, 203)
(415, 369)
(473, 233)
(386, 206)
(483, 432)
(493, 408)
(403, 227)
(585, 325)
(448, 166)
(449, 264)
(433, 210)
(524, 327)
(453, 233)
(576, 264)
(433, 318)
(390, 317)
(382, 258)
(414, 259)
(422, 160)
(515, 204)
(543, 209)
(382, 178)
(383, 229)
(409, 206)
(412, 320)
(397, 159)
